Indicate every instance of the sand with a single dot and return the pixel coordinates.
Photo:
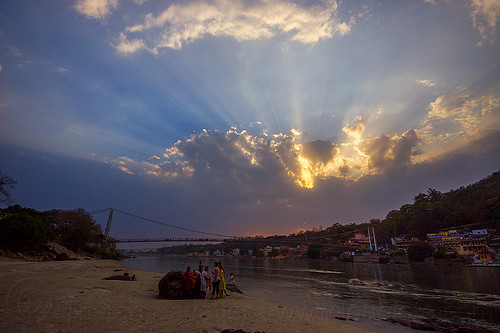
(70, 296)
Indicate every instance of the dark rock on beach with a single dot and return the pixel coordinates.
(124, 277)
(233, 288)
(239, 331)
(171, 285)
(436, 325)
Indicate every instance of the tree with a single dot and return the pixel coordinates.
(419, 251)
(22, 232)
(313, 252)
(75, 228)
(6, 184)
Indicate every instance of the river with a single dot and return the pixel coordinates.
(453, 293)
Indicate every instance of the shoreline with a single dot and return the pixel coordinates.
(359, 259)
(370, 324)
(69, 296)
(372, 318)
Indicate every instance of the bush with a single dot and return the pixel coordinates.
(22, 232)
(105, 254)
(419, 251)
(313, 252)
(397, 253)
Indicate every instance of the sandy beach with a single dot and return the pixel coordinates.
(70, 296)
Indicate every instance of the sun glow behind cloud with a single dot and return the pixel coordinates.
(453, 120)
(331, 101)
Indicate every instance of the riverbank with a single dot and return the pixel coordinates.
(70, 296)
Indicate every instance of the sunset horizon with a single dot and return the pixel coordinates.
(247, 117)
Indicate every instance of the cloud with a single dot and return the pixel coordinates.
(125, 46)
(278, 161)
(388, 152)
(1, 68)
(485, 15)
(95, 9)
(62, 70)
(453, 120)
(183, 23)
(15, 51)
(319, 151)
(426, 83)
(458, 117)
(356, 130)
(139, 2)
(23, 63)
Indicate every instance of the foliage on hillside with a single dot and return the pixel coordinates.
(477, 205)
(28, 230)
(474, 206)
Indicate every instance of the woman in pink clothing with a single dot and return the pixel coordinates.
(215, 282)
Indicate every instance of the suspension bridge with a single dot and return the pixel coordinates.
(205, 237)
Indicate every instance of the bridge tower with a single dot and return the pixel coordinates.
(108, 228)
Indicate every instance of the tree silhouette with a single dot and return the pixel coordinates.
(6, 184)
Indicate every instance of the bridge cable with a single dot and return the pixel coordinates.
(173, 226)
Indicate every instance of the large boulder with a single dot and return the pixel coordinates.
(61, 252)
(171, 286)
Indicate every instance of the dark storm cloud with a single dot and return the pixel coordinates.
(319, 151)
(250, 199)
(390, 152)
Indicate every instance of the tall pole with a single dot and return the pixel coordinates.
(374, 239)
(108, 227)
(370, 239)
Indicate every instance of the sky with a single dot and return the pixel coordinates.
(245, 117)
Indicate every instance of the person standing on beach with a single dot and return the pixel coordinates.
(208, 279)
(188, 282)
(205, 279)
(216, 281)
(222, 283)
(200, 267)
(195, 293)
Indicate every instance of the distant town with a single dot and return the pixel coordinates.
(459, 226)
(476, 246)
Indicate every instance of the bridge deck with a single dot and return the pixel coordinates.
(159, 240)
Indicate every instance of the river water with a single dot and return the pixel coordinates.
(453, 293)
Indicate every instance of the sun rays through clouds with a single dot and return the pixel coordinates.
(453, 120)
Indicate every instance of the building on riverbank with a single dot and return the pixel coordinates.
(401, 243)
(463, 242)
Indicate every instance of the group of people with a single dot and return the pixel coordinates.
(197, 282)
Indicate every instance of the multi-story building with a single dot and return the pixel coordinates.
(449, 237)
(495, 245)
(464, 243)
(401, 243)
(268, 250)
(474, 246)
(359, 240)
